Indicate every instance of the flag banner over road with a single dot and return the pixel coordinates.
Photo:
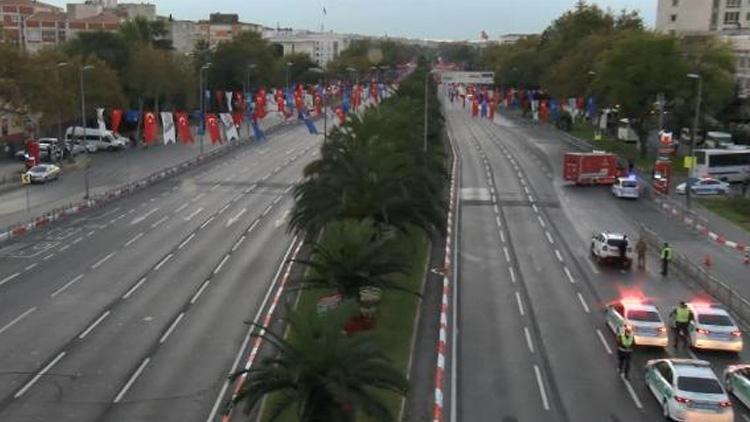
(212, 125)
(183, 127)
(116, 120)
(229, 95)
(149, 127)
(100, 119)
(230, 130)
(132, 116)
(167, 123)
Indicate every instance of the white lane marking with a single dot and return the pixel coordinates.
(193, 214)
(29, 267)
(39, 374)
(531, 198)
(200, 291)
(529, 343)
(48, 257)
(224, 208)
(221, 264)
(207, 222)
(66, 285)
(512, 275)
(497, 210)
(593, 267)
(635, 398)
(538, 217)
(9, 278)
(502, 236)
(252, 226)
(280, 222)
(290, 151)
(132, 379)
(266, 210)
(236, 217)
(132, 210)
(583, 303)
(180, 208)
(237, 197)
(540, 384)
(102, 261)
(534, 207)
(91, 233)
(559, 255)
(214, 187)
(136, 237)
(520, 303)
(162, 262)
(507, 254)
(569, 275)
(15, 320)
(134, 288)
(171, 327)
(604, 341)
(199, 196)
(238, 243)
(63, 248)
(549, 237)
(93, 325)
(159, 221)
(185, 242)
(498, 222)
(526, 189)
(143, 217)
(77, 240)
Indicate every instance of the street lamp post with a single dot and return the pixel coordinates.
(288, 66)
(60, 140)
(325, 100)
(694, 135)
(203, 82)
(83, 126)
(250, 69)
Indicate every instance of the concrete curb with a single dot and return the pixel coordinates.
(22, 229)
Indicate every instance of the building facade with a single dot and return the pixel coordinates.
(321, 47)
(14, 15)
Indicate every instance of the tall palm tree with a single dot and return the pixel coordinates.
(322, 374)
(353, 254)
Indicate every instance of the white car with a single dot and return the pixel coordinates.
(43, 173)
(607, 247)
(688, 390)
(737, 382)
(713, 328)
(642, 317)
(704, 186)
(626, 187)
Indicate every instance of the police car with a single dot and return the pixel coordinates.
(688, 390)
(737, 382)
(605, 247)
(643, 317)
(713, 328)
(626, 187)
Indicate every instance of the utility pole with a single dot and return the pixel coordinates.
(203, 82)
(87, 164)
(694, 135)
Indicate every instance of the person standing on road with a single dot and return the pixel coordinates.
(666, 256)
(681, 317)
(625, 341)
(641, 248)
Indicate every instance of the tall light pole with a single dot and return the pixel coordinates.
(325, 100)
(694, 135)
(83, 125)
(201, 95)
(288, 66)
(250, 69)
(60, 140)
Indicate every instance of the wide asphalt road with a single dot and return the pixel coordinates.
(135, 311)
(533, 344)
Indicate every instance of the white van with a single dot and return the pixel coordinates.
(96, 138)
(718, 140)
(625, 132)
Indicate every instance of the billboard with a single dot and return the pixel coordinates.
(476, 78)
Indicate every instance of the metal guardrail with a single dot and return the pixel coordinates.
(732, 299)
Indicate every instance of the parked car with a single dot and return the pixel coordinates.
(99, 139)
(704, 186)
(43, 173)
(606, 248)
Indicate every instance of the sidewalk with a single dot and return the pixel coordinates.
(9, 173)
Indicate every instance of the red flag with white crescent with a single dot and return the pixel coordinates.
(149, 127)
(212, 124)
(183, 127)
(116, 120)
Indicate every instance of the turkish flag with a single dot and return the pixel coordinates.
(183, 127)
(318, 104)
(212, 123)
(116, 119)
(260, 104)
(280, 102)
(149, 127)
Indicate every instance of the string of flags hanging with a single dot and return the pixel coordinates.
(228, 111)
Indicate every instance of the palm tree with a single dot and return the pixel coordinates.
(352, 255)
(322, 374)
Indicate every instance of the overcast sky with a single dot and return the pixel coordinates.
(435, 19)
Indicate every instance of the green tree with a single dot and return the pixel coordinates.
(141, 31)
(353, 254)
(321, 374)
(107, 46)
(159, 75)
(232, 58)
(634, 71)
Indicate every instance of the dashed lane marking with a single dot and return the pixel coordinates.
(93, 325)
(559, 255)
(143, 217)
(132, 379)
(583, 303)
(158, 222)
(17, 319)
(529, 343)
(633, 396)
(134, 288)
(9, 278)
(512, 275)
(162, 262)
(185, 242)
(540, 384)
(131, 241)
(520, 303)
(39, 374)
(171, 327)
(102, 261)
(604, 341)
(569, 275)
(66, 285)
(549, 237)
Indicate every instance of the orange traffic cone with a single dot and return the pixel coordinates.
(707, 261)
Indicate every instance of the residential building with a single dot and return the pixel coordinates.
(13, 16)
(183, 34)
(45, 29)
(322, 47)
(512, 38)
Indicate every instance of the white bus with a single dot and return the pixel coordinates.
(728, 165)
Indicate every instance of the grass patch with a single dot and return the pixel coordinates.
(395, 319)
(736, 210)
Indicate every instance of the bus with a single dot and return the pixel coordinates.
(728, 165)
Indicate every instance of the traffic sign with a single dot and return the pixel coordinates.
(689, 162)
(25, 178)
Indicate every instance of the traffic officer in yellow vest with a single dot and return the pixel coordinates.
(625, 342)
(666, 256)
(681, 317)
